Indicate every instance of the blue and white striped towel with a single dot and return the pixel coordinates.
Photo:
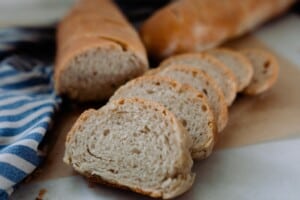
(27, 102)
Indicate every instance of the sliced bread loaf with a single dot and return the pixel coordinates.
(132, 144)
(188, 105)
(214, 68)
(97, 51)
(237, 63)
(203, 83)
(266, 70)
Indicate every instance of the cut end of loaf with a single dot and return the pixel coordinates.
(94, 74)
(112, 145)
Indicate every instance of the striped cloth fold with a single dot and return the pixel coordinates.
(27, 102)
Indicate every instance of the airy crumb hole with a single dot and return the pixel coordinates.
(135, 151)
(200, 95)
(166, 141)
(121, 102)
(205, 91)
(267, 64)
(194, 74)
(184, 122)
(106, 132)
(157, 83)
(149, 91)
(204, 108)
(146, 129)
(173, 84)
(164, 112)
(113, 171)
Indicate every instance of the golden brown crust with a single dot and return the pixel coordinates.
(195, 25)
(98, 179)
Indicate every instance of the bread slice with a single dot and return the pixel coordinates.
(237, 63)
(188, 105)
(133, 144)
(203, 83)
(214, 68)
(266, 70)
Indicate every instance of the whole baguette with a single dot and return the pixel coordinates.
(196, 25)
(97, 51)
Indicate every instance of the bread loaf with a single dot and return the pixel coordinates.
(188, 105)
(98, 50)
(203, 83)
(196, 25)
(133, 144)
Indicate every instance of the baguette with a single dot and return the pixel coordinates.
(98, 50)
(132, 144)
(196, 25)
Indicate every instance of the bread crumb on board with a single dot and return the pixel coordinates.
(41, 194)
